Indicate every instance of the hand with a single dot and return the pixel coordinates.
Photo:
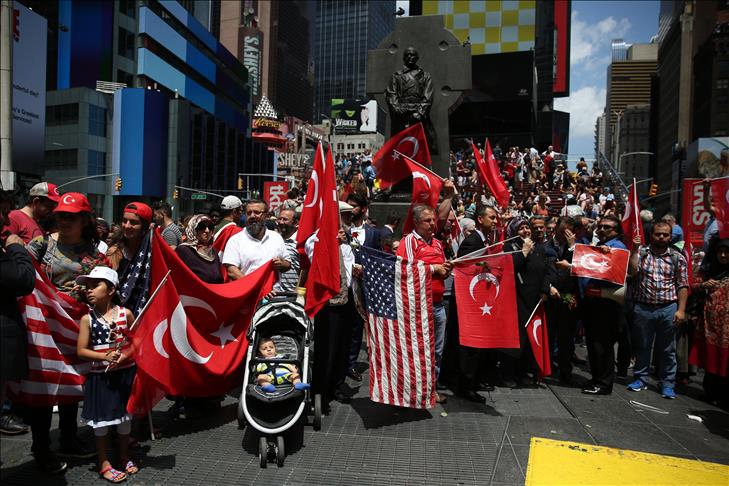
(636, 241)
(604, 249)
(527, 246)
(13, 239)
(570, 237)
(271, 295)
(554, 293)
(710, 284)
(679, 317)
(280, 264)
(357, 271)
(449, 189)
(439, 271)
(563, 265)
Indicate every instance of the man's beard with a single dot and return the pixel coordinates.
(254, 227)
(285, 229)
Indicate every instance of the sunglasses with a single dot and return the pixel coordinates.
(113, 331)
(606, 227)
(205, 225)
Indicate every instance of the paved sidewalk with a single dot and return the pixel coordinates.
(363, 443)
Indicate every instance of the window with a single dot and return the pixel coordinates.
(125, 77)
(62, 114)
(61, 159)
(97, 121)
(340, 146)
(97, 162)
(126, 44)
(128, 7)
(722, 83)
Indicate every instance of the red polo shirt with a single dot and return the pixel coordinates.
(414, 248)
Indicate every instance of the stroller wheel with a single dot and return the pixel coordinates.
(317, 412)
(280, 451)
(263, 451)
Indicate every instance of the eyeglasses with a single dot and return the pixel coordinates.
(205, 225)
(606, 227)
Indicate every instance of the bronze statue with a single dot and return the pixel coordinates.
(409, 96)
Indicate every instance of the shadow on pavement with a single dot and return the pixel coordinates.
(715, 421)
(224, 415)
(293, 439)
(376, 415)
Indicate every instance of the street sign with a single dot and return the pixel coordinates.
(199, 196)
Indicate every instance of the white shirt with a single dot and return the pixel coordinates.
(360, 230)
(248, 253)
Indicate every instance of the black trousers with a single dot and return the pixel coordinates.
(332, 342)
(40, 418)
(562, 327)
(602, 320)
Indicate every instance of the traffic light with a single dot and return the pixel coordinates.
(118, 184)
(653, 190)
(240, 183)
(175, 194)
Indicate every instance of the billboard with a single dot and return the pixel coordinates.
(251, 45)
(274, 193)
(490, 27)
(708, 157)
(562, 13)
(29, 88)
(354, 115)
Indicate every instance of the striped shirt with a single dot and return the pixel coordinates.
(658, 281)
(414, 248)
(289, 280)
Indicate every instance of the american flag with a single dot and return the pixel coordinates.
(56, 373)
(401, 339)
(134, 283)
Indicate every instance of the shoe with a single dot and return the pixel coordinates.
(302, 386)
(472, 396)
(596, 390)
(49, 463)
(354, 374)
(668, 392)
(76, 449)
(637, 385)
(11, 424)
(440, 398)
(268, 388)
(487, 387)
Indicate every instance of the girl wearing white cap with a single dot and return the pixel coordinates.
(109, 383)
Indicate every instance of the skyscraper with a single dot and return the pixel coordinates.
(619, 50)
(345, 31)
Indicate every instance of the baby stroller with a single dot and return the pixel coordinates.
(284, 321)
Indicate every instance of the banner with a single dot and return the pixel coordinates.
(274, 193)
(354, 115)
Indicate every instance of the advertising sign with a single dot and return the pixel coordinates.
(274, 193)
(354, 115)
(29, 88)
(251, 45)
(291, 161)
(561, 85)
(708, 157)
(693, 219)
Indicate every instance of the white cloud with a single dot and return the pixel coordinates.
(584, 106)
(589, 42)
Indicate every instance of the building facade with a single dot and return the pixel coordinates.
(345, 30)
(634, 136)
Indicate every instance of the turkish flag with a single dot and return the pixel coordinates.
(191, 340)
(536, 329)
(313, 203)
(486, 300)
(223, 235)
(590, 261)
(456, 236)
(720, 198)
(388, 164)
(490, 175)
(426, 190)
(323, 280)
(631, 220)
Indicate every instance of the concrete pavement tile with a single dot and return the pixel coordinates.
(634, 436)
(699, 441)
(521, 429)
(507, 468)
(602, 407)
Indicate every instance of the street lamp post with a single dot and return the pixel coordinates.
(625, 170)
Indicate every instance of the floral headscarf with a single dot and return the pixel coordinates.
(513, 229)
(206, 252)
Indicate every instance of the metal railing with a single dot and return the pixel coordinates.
(613, 178)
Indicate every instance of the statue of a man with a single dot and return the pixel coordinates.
(409, 96)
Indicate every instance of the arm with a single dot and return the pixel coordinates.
(444, 208)
(233, 271)
(18, 272)
(633, 263)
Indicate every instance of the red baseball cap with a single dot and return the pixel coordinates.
(73, 202)
(140, 209)
(46, 189)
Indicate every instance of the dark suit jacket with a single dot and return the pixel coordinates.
(472, 243)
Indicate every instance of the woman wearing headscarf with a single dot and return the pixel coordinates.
(197, 251)
(63, 256)
(711, 341)
(533, 271)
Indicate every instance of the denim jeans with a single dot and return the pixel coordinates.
(439, 321)
(655, 322)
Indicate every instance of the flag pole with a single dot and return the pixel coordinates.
(533, 312)
(420, 165)
(468, 256)
(151, 425)
(121, 343)
(463, 260)
(635, 203)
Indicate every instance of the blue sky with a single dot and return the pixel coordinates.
(594, 25)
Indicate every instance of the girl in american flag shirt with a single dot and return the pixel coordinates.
(109, 383)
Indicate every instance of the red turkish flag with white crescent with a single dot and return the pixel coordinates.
(191, 340)
(589, 261)
(388, 164)
(486, 300)
(426, 190)
(631, 220)
(720, 198)
(313, 203)
(488, 171)
(536, 330)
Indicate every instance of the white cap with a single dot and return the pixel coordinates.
(99, 273)
(231, 202)
(343, 207)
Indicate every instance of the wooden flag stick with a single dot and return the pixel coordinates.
(420, 165)
(468, 256)
(533, 312)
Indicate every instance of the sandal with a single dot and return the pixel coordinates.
(131, 468)
(116, 476)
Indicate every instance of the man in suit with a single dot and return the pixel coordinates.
(393, 223)
(468, 363)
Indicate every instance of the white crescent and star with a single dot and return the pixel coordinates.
(315, 180)
(416, 145)
(487, 277)
(588, 261)
(178, 332)
(68, 199)
(157, 336)
(420, 175)
(537, 325)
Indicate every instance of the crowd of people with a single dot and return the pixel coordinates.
(551, 210)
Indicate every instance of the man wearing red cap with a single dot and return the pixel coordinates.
(42, 200)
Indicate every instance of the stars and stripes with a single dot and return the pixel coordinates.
(56, 373)
(401, 341)
(134, 283)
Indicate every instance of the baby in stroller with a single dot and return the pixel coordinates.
(268, 375)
